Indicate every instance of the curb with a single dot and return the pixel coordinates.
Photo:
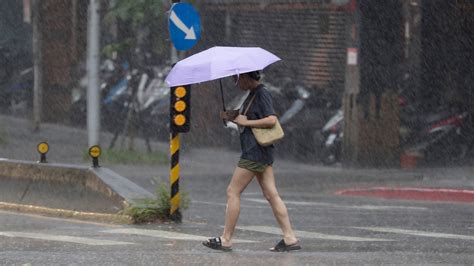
(62, 213)
(428, 194)
(58, 190)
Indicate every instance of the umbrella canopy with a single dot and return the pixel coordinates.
(219, 62)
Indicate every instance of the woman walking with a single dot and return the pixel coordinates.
(255, 161)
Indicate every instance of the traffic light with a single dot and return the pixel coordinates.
(180, 108)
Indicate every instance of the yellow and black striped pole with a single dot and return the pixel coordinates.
(180, 114)
(175, 214)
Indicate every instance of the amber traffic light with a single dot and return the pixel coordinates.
(180, 111)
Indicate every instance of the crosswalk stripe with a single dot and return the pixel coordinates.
(166, 234)
(416, 233)
(360, 207)
(313, 235)
(63, 238)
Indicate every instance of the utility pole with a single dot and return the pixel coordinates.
(93, 57)
(37, 66)
(371, 115)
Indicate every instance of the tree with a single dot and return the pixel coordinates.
(140, 26)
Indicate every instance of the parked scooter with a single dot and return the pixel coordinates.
(20, 90)
(330, 138)
(16, 78)
(130, 99)
(154, 102)
(439, 135)
(442, 137)
(114, 79)
(145, 105)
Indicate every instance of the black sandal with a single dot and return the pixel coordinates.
(216, 243)
(282, 246)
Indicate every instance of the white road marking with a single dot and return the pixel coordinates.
(360, 207)
(166, 234)
(416, 233)
(305, 234)
(63, 238)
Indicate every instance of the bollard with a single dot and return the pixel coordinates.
(42, 148)
(94, 153)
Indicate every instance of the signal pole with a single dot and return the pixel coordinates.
(180, 114)
(174, 53)
(180, 96)
(175, 214)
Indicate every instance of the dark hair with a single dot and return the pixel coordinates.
(254, 75)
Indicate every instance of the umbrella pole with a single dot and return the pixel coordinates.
(222, 97)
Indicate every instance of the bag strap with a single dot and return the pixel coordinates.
(249, 104)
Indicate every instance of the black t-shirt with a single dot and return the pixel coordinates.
(261, 107)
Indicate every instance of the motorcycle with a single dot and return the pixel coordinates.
(154, 106)
(442, 134)
(135, 97)
(442, 137)
(16, 77)
(331, 138)
(113, 82)
(20, 90)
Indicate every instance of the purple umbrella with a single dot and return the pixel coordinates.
(219, 62)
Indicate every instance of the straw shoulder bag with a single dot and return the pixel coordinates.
(266, 136)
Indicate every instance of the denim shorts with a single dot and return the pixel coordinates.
(252, 166)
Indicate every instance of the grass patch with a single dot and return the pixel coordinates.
(158, 209)
(116, 156)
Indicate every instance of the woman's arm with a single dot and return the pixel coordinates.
(266, 122)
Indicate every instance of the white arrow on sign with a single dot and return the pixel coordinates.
(190, 34)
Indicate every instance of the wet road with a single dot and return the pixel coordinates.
(332, 229)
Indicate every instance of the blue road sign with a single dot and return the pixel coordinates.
(184, 26)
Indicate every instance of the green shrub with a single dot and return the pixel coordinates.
(156, 210)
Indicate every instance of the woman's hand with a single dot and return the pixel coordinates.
(241, 120)
(266, 122)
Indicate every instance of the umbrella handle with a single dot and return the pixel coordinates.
(223, 103)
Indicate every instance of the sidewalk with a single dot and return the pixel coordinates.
(68, 145)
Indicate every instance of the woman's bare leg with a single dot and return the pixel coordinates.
(240, 179)
(267, 183)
